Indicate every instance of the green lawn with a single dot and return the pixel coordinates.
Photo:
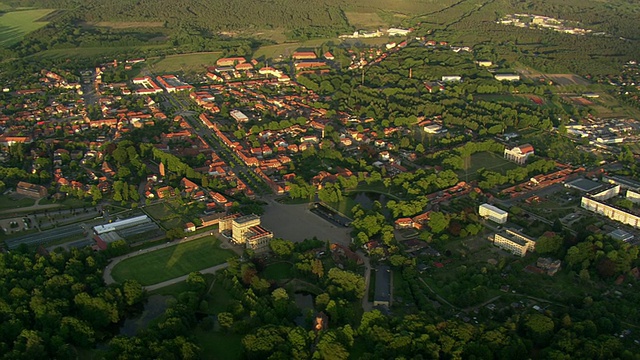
(218, 299)
(194, 62)
(171, 262)
(7, 202)
(216, 345)
(486, 160)
(15, 24)
(92, 52)
(278, 271)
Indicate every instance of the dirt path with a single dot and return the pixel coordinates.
(210, 270)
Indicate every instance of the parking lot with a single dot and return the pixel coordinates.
(297, 222)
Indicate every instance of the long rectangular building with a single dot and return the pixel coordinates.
(515, 242)
(493, 213)
(610, 211)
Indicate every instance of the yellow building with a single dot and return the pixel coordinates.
(513, 241)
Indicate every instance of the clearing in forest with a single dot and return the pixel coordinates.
(16, 24)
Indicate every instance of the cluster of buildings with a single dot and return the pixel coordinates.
(605, 132)
(363, 34)
(598, 202)
(544, 22)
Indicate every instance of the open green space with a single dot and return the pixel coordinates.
(218, 299)
(219, 346)
(172, 262)
(278, 271)
(193, 62)
(286, 49)
(487, 161)
(16, 24)
(166, 214)
(9, 202)
(93, 52)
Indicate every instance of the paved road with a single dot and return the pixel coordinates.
(366, 304)
(108, 279)
(210, 270)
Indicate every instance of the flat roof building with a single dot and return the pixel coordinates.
(584, 185)
(382, 296)
(493, 213)
(514, 242)
(121, 224)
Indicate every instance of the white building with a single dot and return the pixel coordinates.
(452, 78)
(432, 129)
(519, 154)
(610, 211)
(507, 77)
(606, 193)
(493, 213)
(239, 116)
(121, 224)
(633, 196)
(513, 241)
(398, 32)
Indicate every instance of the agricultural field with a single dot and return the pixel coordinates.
(16, 24)
(172, 262)
(194, 62)
(93, 52)
(362, 20)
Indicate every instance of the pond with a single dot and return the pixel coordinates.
(156, 306)
(366, 200)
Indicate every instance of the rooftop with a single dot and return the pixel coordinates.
(383, 284)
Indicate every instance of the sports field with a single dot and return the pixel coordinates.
(171, 262)
(15, 24)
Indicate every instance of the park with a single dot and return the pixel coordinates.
(173, 261)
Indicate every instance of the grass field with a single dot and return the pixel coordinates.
(92, 52)
(171, 262)
(486, 160)
(15, 24)
(7, 202)
(361, 20)
(286, 49)
(278, 271)
(194, 62)
(218, 299)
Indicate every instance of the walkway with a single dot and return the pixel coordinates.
(210, 270)
(366, 304)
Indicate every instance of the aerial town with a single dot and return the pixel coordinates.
(323, 200)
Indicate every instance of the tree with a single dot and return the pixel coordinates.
(133, 292)
(346, 283)
(549, 244)
(282, 248)
(539, 327)
(225, 320)
(438, 222)
(197, 283)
